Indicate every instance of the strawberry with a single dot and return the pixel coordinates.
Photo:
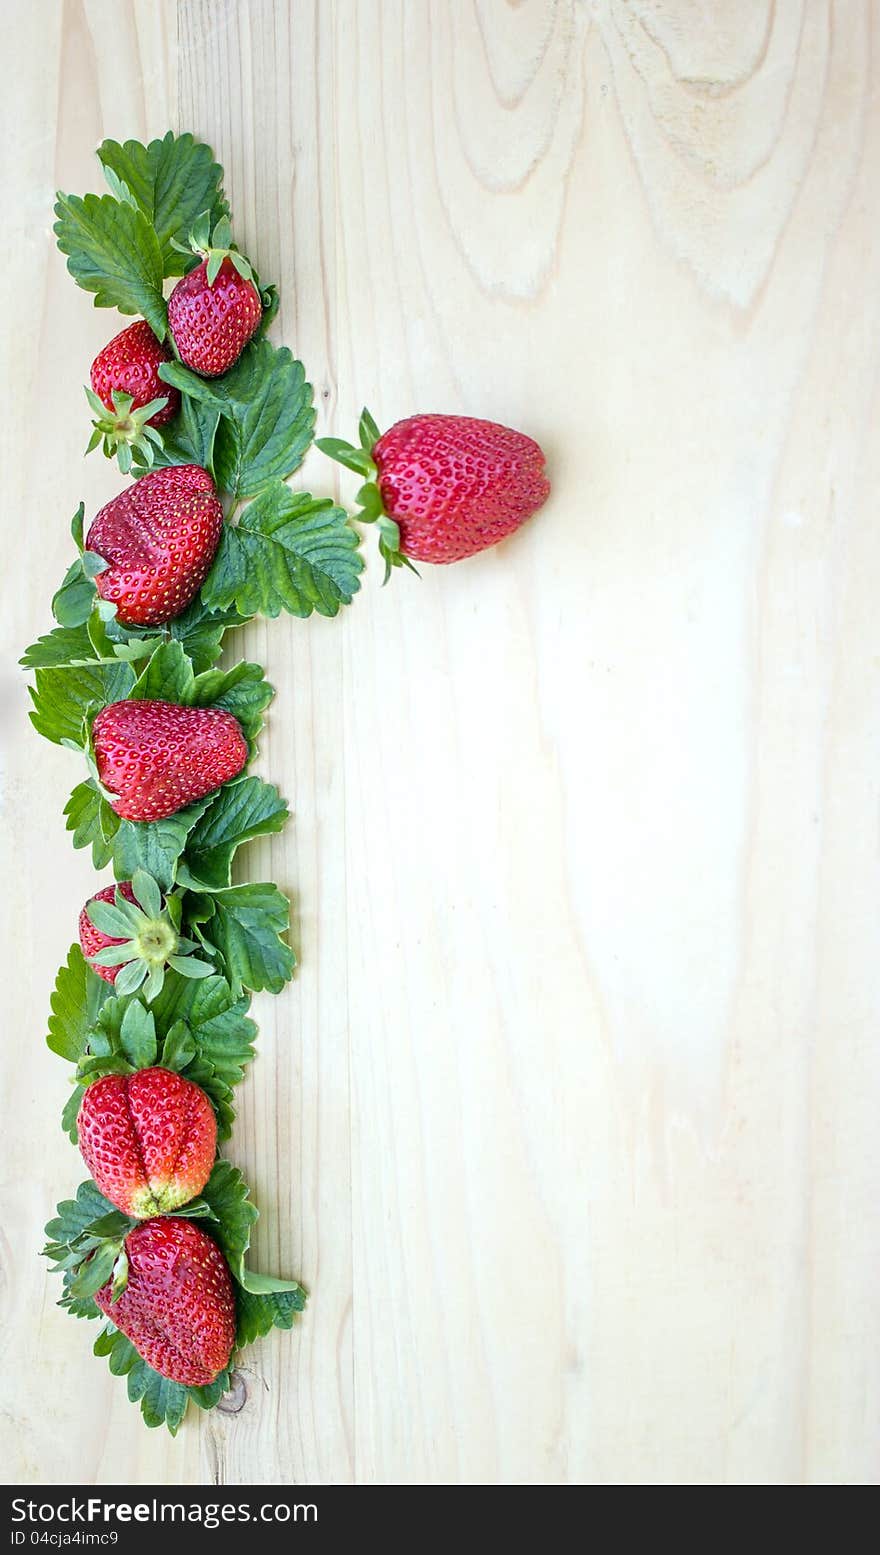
(91, 939)
(128, 397)
(157, 757)
(159, 537)
(128, 938)
(214, 310)
(148, 1139)
(177, 1305)
(443, 487)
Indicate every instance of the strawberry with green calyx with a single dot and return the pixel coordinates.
(442, 488)
(129, 936)
(128, 397)
(154, 758)
(149, 1139)
(157, 541)
(216, 308)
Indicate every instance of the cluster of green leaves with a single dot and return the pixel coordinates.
(83, 1245)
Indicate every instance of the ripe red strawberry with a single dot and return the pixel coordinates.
(443, 487)
(212, 316)
(156, 757)
(148, 1139)
(129, 365)
(91, 939)
(177, 1307)
(159, 536)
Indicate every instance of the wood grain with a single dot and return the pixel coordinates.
(569, 1120)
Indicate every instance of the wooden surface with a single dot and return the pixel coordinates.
(570, 1120)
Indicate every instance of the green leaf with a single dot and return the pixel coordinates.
(288, 551)
(242, 691)
(179, 1047)
(267, 416)
(257, 1314)
(64, 698)
(221, 1031)
(138, 1036)
(228, 1197)
(240, 811)
(94, 1273)
(246, 927)
(92, 822)
(172, 181)
(187, 439)
(72, 602)
(198, 630)
(113, 251)
(356, 459)
(162, 1402)
(155, 846)
(68, 1241)
(63, 647)
(76, 1001)
(71, 1113)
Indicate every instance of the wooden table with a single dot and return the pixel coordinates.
(570, 1119)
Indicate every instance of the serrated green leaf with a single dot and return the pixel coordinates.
(198, 630)
(172, 181)
(76, 1001)
(288, 551)
(167, 676)
(63, 647)
(113, 252)
(267, 415)
(162, 1402)
(242, 691)
(228, 1196)
(92, 822)
(240, 811)
(210, 1396)
(246, 927)
(155, 846)
(257, 1314)
(188, 438)
(64, 698)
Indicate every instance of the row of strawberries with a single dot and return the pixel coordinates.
(439, 488)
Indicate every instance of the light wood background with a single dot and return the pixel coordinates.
(570, 1120)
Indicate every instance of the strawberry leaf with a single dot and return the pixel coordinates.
(172, 181)
(187, 439)
(217, 1022)
(240, 811)
(113, 251)
(64, 647)
(257, 1314)
(64, 698)
(267, 418)
(92, 822)
(71, 1112)
(162, 1402)
(76, 1003)
(155, 846)
(198, 630)
(288, 551)
(137, 1036)
(245, 924)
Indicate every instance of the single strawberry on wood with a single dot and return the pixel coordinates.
(216, 309)
(159, 537)
(177, 1305)
(148, 1139)
(155, 758)
(443, 487)
(129, 400)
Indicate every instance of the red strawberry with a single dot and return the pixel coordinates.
(129, 365)
(213, 320)
(91, 939)
(156, 757)
(148, 1139)
(159, 536)
(177, 1307)
(443, 487)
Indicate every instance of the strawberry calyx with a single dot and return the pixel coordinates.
(214, 247)
(372, 509)
(93, 1257)
(147, 939)
(72, 602)
(124, 431)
